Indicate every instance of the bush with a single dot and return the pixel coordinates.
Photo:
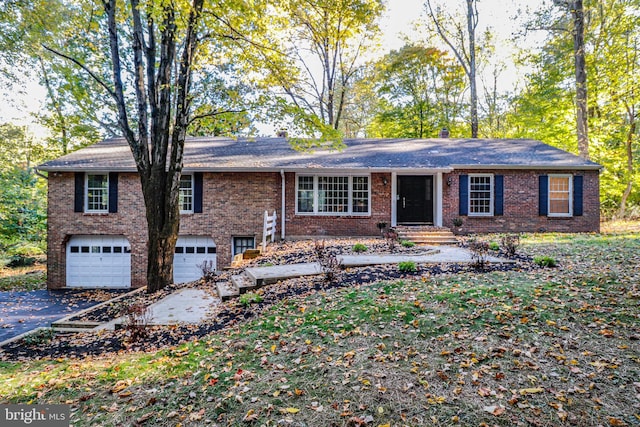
(494, 246)
(250, 298)
(24, 250)
(407, 267)
(391, 236)
(208, 270)
(479, 252)
(330, 264)
(136, 321)
(407, 244)
(457, 222)
(510, 243)
(359, 247)
(39, 337)
(545, 261)
(20, 261)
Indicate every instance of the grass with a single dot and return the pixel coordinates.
(546, 347)
(22, 278)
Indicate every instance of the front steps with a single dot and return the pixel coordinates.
(426, 235)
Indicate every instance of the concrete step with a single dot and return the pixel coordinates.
(243, 282)
(269, 275)
(227, 290)
(74, 325)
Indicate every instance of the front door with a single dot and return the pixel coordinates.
(415, 199)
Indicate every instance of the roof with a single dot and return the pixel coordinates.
(216, 154)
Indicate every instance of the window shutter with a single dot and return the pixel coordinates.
(463, 195)
(577, 195)
(498, 196)
(543, 195)
(197, 192)
(113, 192)
(78, 202)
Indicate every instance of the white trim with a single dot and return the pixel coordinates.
(437, 200)
(350, 191)
(492, 195)
(193, 191)
(570, 190)
(283, 205)
(394, 199)
(86, 193)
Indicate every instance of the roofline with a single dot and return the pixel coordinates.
(593, 166)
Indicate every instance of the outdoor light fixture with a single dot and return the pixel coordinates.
(384, 181)
(449, 181)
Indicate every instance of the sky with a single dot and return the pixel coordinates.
(396, 24)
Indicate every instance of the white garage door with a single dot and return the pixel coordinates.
(99, 262)
(191, 253)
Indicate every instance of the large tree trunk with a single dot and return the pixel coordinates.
(472, 22)
(581, 79)
(628, 148)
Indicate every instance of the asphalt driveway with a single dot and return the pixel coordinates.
(24, 311)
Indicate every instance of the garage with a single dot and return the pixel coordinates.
(191, 253)
(98, 262)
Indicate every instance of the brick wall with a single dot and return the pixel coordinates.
(337, 225)
(521, 205)
(233, 205)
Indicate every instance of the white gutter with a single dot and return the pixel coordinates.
(284, 205)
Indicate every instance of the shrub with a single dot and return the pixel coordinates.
(359, 247)
(39, 337)
(391, 236)
(457, 222)
(479, 252)
(21, 261)
(510, 243)
(407, 243)
(208, 270)
(250, 298)
(494, 246)
(545, 261)
(407, 267)
(136, 321)
(329, 263)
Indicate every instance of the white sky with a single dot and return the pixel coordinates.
(398, 22)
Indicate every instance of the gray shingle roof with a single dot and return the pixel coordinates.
(272, 154)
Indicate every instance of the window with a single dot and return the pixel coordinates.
(480, 195)
(241, 244)
(186, 194)
(97, 193)
(560, 195)
(333, 195)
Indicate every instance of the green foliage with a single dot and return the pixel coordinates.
(39, 337)
(494, 246)
(407, 244)
(249, 298)
(407, 267)
(359, 247)
(545, 261)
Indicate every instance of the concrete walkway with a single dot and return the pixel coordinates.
(438, 255)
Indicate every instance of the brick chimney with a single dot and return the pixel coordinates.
(444, 133)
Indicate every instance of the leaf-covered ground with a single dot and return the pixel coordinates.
(530, 347)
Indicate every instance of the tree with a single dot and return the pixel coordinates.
(420, 90)
(463, 45)
(323, 43)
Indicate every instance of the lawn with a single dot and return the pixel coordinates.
(538, 347)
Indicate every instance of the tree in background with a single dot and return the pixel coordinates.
(420, 90)
(462, 42)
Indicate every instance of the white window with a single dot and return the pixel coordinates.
(481, 195)
(186, 194)
(332, 195)
(97, 197)
(241, 244)
(560, 203)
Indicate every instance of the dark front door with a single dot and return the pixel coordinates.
(415, 199)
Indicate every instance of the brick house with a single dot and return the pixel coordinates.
(97, 226)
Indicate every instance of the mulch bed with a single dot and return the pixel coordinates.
(232, 312)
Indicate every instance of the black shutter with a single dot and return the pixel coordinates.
(464, 195)
(197, 192)
(78, 202)
(498, 195)
(543, 195)
(577, 195)
(113, 192)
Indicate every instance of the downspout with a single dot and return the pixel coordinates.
(283, 207)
